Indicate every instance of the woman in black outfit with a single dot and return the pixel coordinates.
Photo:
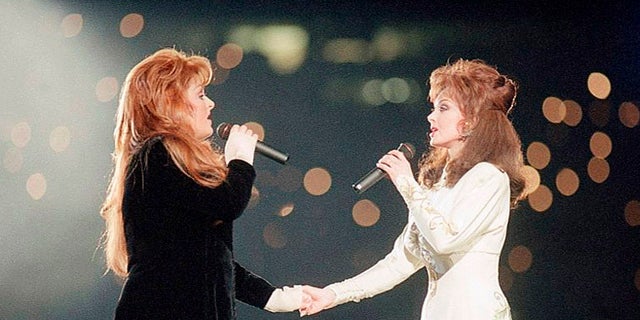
(172, 200)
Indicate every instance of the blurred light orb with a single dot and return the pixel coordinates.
(598, 169)
(532, 179)
(629, 114)
(229, 56)
(553, 109)
(60, 138)
(286, 210)
(346, 50)
(273, 236)
(600, 145)
(71, 25)
(365, 213)
(284, 46)
(538, 155)
(541, 199)
(21, 134)
(254, 199)
(520, 259)
(372, 92)
(36, 186)
(567, 182)
(573, 114)
(317, 181)
(107, 89)
(13, 160)
(599, 85)
(505, 277)
(632, 213)
(396, 90)
(131, 25)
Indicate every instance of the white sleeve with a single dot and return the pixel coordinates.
(396, 267)
(481, 195)
(285, 299)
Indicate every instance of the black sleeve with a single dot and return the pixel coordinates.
(251, 288)
(167, 184)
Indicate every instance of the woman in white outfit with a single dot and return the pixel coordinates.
(468, 181)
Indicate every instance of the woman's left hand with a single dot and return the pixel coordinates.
(395, 165)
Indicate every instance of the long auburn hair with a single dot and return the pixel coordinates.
(486, 98)
(153, 104)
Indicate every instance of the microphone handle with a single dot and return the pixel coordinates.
(271, 153)
(366, 182)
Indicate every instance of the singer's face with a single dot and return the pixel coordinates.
(202, 106)
(446, 124)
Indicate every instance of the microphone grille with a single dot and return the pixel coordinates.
(407, 149)
(223, 130)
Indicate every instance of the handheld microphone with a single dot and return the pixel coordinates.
(223, 132)
(373, 176)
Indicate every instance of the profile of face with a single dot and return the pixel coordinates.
(446, 124)
(201, 107)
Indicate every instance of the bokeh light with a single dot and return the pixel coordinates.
(229, 56)
(396, 90)
(71, 25)
(346, 50)
(600, 145)
(317, 181)
(632, 213)
(598, 169)
(599, 85)
(131, 25)
(567, 182)
(36, 186)
(532, 179)
(107, 89)
(538, 155)
(274, 236)
(573, 114)
(541, 199)
(372, 92)
(505, 277)
(553, 109)
(13, 160)
(629, 114)
(60, 138)
(520, 259)
(286, 210)
(21, 134)
(289, 179)
(284, 46)
(255, 198)
(365, 213)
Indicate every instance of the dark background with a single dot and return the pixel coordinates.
(585, 263)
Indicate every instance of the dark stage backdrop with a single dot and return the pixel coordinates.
(336, 85)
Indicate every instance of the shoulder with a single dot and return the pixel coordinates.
(151, 152)
(486, 171)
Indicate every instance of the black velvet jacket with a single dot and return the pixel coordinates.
(179, 240)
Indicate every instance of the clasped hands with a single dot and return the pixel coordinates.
(315, 300)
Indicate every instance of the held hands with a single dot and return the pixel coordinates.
(395, 165)
(241, 144)
(316, 300)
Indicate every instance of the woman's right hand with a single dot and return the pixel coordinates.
(320, 299)
(241, 144)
